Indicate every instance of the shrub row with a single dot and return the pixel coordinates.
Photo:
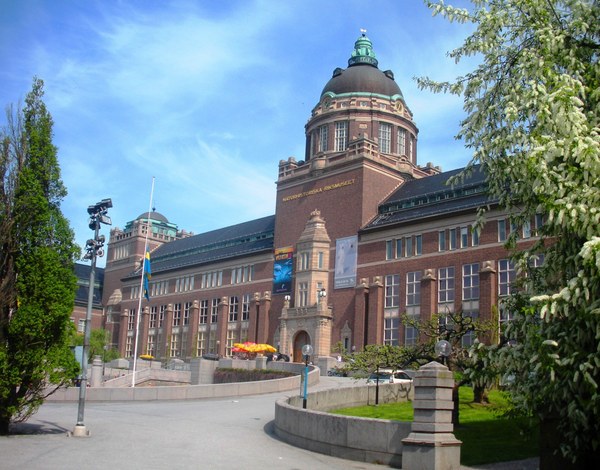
(227, 375)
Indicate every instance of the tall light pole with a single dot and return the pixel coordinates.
(94, 248)
(307, 350)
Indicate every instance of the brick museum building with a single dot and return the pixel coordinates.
(361, 235)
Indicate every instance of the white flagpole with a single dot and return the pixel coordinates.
(139, 312)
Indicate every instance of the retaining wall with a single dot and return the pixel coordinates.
(191, 392)
(361, 439)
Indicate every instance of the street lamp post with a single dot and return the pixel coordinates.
(443, 349)
(377, 387)
(307, 351)
(94, 248)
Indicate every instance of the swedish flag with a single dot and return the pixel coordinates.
(147, 274)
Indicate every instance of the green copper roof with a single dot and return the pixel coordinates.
(363, 52)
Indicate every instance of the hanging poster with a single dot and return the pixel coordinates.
(345, 262)
(283, 270)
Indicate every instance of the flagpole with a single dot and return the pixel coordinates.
(139, 312)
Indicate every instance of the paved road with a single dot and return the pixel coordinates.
(204, 434)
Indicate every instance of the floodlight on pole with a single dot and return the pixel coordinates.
(94, 247)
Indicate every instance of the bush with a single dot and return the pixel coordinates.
(227, 375)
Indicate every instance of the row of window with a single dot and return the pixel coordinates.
(206, 342)
(404, 247)
(304, 261)
(238, 309)
(208, 280)
(526, 231)
(340, 137)
(453, 238)
(402, 143)
(446, 282)
(302, 299)
(391, 331)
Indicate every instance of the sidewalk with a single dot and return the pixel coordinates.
(220, 433)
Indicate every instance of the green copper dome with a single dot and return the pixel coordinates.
(363, 52)
(362, 75)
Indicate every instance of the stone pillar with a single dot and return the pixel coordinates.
(167, 331)
(222, 326)
(428, 294)
(193, 330)
(202, 371)
(143, 332)
(263, 320)
(261, 362)
(431, 444)
(375, 313)
(488, 299)
(361, 294)
(96, 378)
(123, 332)
(284, 347)
(254, 317)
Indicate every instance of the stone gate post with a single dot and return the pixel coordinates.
(431, 444)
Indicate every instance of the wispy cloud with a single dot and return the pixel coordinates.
(208, 96)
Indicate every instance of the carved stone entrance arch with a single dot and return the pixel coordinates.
(300, 339)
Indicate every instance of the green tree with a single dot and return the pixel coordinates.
(454, 327)
(98, 345)
(374, 356)
(37, 280)
(533, 110)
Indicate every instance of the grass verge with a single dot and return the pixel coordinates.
(487, 436)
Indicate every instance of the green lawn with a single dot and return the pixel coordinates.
(487, 437)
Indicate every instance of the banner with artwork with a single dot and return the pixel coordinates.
(283, 270)
(345, 262)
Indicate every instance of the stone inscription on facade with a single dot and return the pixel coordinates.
(328, 187)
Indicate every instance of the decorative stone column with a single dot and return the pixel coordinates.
(431, 444)
(428, 294)
(284, 344)
(222, 326)
(263, 320)
(375, 320)
(488, 299)
(123, 331)
(361, 293)
(194, 326)
(96, 378)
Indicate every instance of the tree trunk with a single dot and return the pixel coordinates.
(480, 395)
(4, 425)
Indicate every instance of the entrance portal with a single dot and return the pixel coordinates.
(300, 340)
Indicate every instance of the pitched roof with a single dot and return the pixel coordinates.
(433, 196)
(242, 239)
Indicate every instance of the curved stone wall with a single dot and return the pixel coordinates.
(361, 439)
(192, 392)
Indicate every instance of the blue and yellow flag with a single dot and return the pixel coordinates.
(147, 274)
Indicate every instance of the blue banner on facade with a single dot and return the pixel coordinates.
(283, 270)
(345, 262)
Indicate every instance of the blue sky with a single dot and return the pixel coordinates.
(208, 96)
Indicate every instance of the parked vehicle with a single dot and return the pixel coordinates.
(389, 376)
